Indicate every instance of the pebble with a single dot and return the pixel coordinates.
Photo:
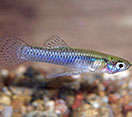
(22, 98)
(4, 73)
(16, 114)
(113, 98)
(39, 114)
(102, 93)
(95, 104)
(60, 107)
(29, 108)
(105, 99)
(117, 109)
(5, 100)
(129, 114)
(82, 97)
(20, 71)
(50, 105)
(86, 110)
(6, 91)
(91, 96)
(20, 91)
(78, 100)
(106, 111)
(127, 107)
(7, 111)
(38, 104)
(70, 100)
(19, 102)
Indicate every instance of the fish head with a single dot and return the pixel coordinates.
(116, 64)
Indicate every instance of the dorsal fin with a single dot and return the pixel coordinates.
(54, 42)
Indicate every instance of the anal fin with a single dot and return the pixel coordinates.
(68, 72)
(61, 75)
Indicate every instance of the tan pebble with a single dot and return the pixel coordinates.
(116, 108)
(91, 96)
(70, 100)
(124, 92)
(17, 104)
(29, 108)
(125, 85)
(86, 111)
(121, 101)
(22, 98)
(104, 112)
(20, 70)
(1, 107)
(39, 101)
(16, 114)
(86, 106)
(23, 109)
(102, 93)
(39, 104)
(119, 115)
(20, 91)
(5, 100)
(101, 87)
(129, 114)
(12, 75)
(126, 99)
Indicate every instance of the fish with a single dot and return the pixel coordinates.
(14, 51)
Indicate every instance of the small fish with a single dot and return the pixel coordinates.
(14, 51)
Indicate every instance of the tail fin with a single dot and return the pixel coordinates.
(10, 51)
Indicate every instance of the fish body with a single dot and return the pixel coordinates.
(56, 51)
(66, 56)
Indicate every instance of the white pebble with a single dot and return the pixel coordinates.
(4, 72)
(95, 104)
(105, 99)
(50, 105)
(7, 112)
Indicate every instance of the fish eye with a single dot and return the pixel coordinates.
(120, 65)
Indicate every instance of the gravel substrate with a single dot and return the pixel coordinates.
(26, 92)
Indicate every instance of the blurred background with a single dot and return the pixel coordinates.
(104, 26)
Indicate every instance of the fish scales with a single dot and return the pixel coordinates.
(60, 56)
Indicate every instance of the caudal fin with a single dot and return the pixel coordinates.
(10, 51)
